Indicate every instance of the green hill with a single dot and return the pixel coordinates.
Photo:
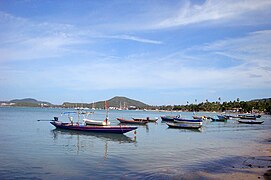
(121, 102)
(29, 102)
(116, 102)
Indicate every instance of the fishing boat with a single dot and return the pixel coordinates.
(91, 128)
(219, 118)
(132, 121)
(100, 129)
(247, 116)
(168, 118)
(250, 121)
(188, 121)
(183, 125)
(148, 119)
(199, 117)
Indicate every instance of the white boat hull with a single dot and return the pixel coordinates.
(91, 122)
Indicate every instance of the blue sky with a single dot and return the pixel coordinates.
(158, 52)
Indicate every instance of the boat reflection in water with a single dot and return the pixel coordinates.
(121, 138)
(186, 129)
(84, 138)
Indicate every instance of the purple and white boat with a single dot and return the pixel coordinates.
(98, 129)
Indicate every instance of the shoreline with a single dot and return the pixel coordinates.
(253, 165)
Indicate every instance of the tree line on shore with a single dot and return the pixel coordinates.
(258, 106)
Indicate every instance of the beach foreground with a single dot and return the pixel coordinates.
(253, 165)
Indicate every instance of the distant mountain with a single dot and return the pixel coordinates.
(261, 100)
(117, 102)
(121, 102)
(28, 102)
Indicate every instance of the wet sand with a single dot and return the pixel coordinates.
(254, 165)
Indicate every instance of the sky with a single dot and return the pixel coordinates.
(155, 51)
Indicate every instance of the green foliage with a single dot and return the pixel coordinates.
(258, 105)
(27, 104)
(114, 102)
(262, 105)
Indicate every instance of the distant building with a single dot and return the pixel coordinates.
(132, 107)
(7, 104)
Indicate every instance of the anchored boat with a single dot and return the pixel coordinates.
(100, 129)
(250, 121)
(168, 118)
(183, 125)
(148, 119)
(93, 127)
(132, 121)
(188, 121)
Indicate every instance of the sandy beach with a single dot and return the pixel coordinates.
(253, 165)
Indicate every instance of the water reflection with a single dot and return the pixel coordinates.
(121, 138)
(185, 129)
(80, 145)
(146, 126)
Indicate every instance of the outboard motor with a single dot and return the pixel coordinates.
(55, 118)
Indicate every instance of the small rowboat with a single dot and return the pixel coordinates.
(188, 121)
(90, 122)
(168, 118)
(146, 119)
(250, 122)
(222, 117)
(183, 125)
(248, 116)
(121, 120)
(219, 118)
(199, 117)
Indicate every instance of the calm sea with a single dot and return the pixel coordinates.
(32, 149)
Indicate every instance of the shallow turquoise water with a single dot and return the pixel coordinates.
(36, 150)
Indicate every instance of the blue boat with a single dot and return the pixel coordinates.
(250, 121)
(183, 125)
(248, 116)
(178, 119)
(168, 118)
(188, 121)
(220, 118)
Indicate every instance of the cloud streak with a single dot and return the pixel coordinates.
(23, 39)
(212, 10)
(133, 38)
(253, 71)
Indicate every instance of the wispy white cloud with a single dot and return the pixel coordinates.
(133, 38)
(253, 71)
(24, 39)
(252, 48)
(212, 10)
